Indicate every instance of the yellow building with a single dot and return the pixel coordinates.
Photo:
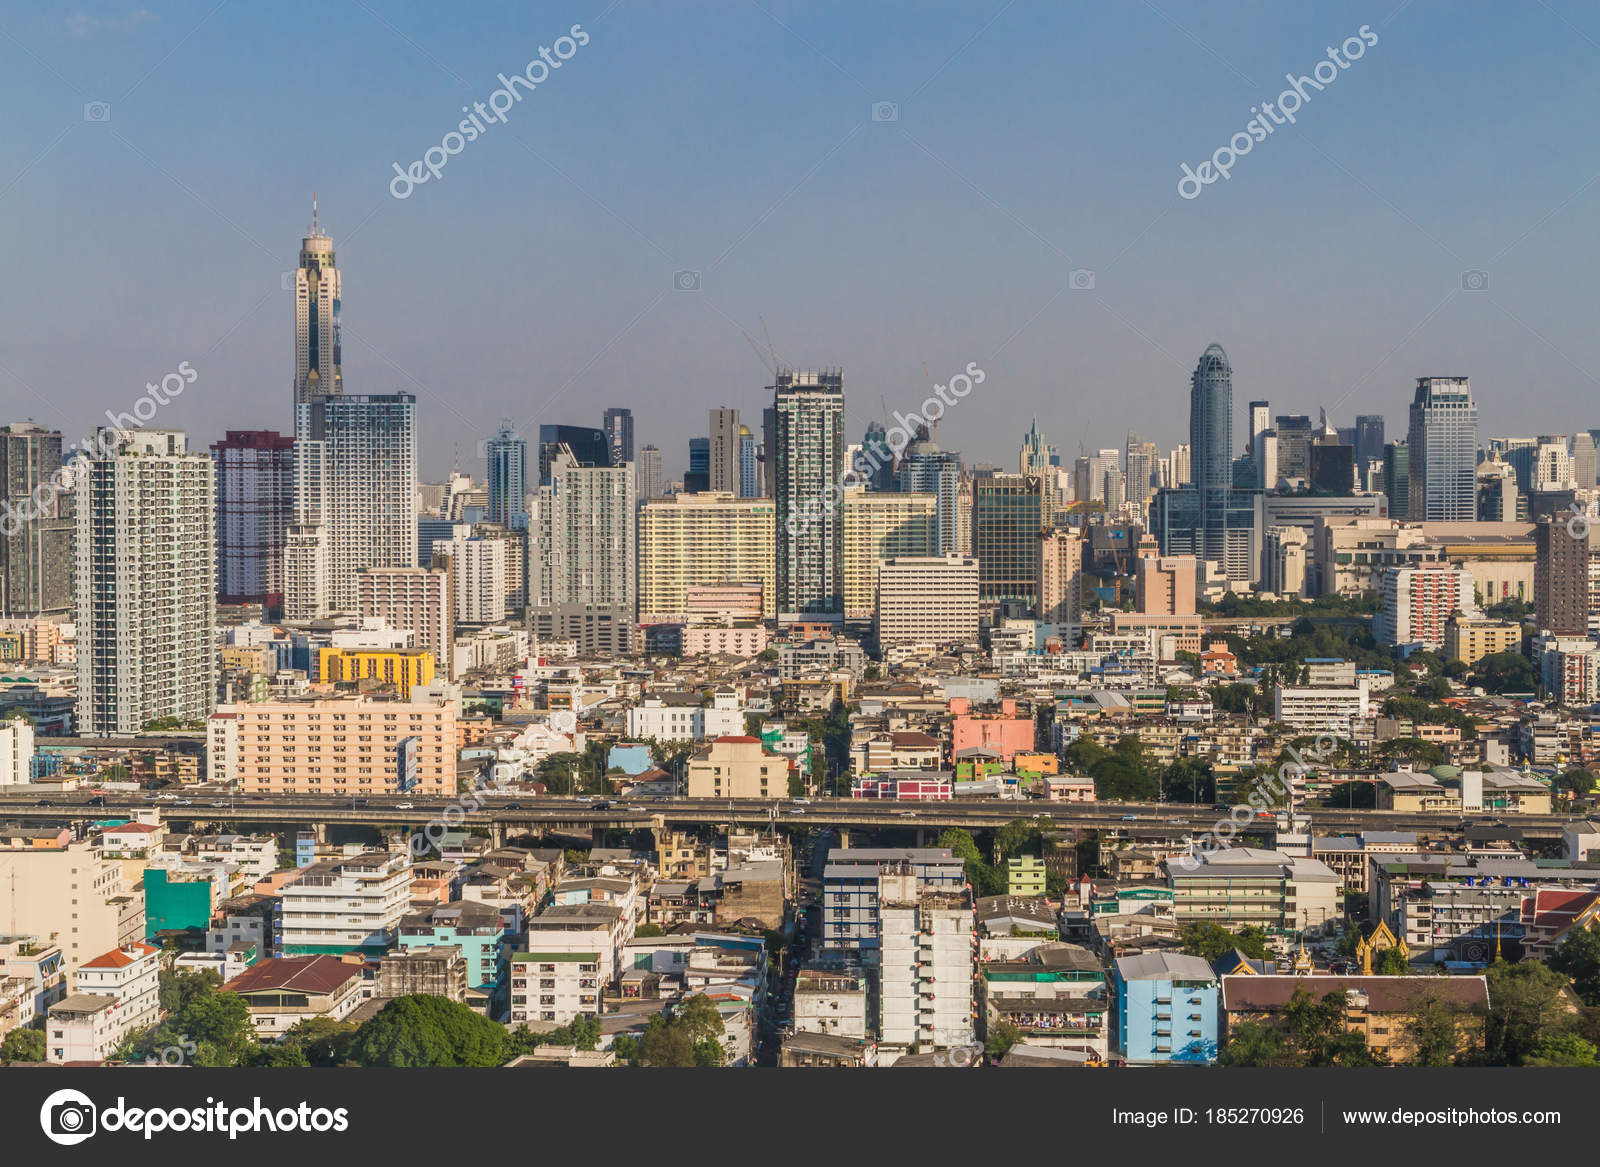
(1025, 876)
(693, 540)
(400, 667)
(1469, 640)
(878, 526)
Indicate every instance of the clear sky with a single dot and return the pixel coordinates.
(534, 278)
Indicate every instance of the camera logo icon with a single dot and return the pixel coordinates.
(686, 281)
(885, 111)
(1475, 280)
(68, 1117)
(97, 111)
(1081, 279)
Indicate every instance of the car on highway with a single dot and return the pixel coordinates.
(1130, 818)
(797, 810)
(905, 812)
(219, 802)
(598, 805)
(513, 806)
(801, 801)
(184, 802)
(44, 802)
(405, 806)
(166, 798)
(358, 802)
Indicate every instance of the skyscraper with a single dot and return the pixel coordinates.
(588, 447)
(749, 464)
(1007, 518)
(255, 506)
(586, 555)
(355, 495)
(1397, 479)
(649, 474)
(926, 469)
(1585, 461)
(618, 426)
(317, 358)
(1566, 578)
(145, 583)
(1369, 438)
(1211, 444)
(507, 464)
(35, 523)
(697, 479)
(1443, 446)
(724, 449)
(1294, 442)
(809, 466)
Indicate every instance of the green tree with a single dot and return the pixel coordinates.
(211, 1027)
(1577, 782)
(1561, 1049)
(1253, 1044)
(665, 1044)
(1579, 958)
(647, 931)
(1504, 672)
(428, 1031)
(1433, 1025)
(1391, 964)
(1525, 1006)
(1209, 941)
(1190, 779)
(986, 880)
(22, 1045)
(699, 1018)
(1002, 1036)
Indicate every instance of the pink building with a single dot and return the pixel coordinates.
(1068, 788)
(1004, 732)
(719, 641)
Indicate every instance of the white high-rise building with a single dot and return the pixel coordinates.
(1418, 602)
(1443, 445)
(925, 964)
(316, 318)
(356, 479)
(927, 600)
(586, 551)
(478, 575)
(145, 584)
(16, 751)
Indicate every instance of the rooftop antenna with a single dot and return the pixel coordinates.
(934, 428)
(314, 230)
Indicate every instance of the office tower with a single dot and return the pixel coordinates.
(925, 964)
(1036, 454)
(649, 472)
(145, 583)
(478, 572)
(1211, 444)
(926, 469)
(1419, 601)
(1260, 425)
(1332, 468)
(416, 600)
(930, 600)
(1566, 578)
(1443, 446)
(1144, 462)
(316, 318)
(1498, 496)
(1007, 517)
(879, 526)
(809, 466)
(723, 463)
(586, 446)
(585, 561)
(964, 515)
(875, 464)
(506, 458)
(1266, 459)
(769, 447)
(1294, 440)
(1182, 470)
(1165, 584)
(698, 477)
(1114, 493)
(701, 540)
(1585, 461)
(1369, 437)
(1283, 561)
(255, 507)
(618, 427)
(36, 523)
(1397, 479)
(355, 493)
(1060, 577)
(749, 464)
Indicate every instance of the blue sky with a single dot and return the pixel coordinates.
(534, 279)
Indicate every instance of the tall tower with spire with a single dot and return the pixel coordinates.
(317, 363)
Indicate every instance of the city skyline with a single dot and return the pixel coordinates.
(1086, 315)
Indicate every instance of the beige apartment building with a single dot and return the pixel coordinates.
(693, 540)
(417, 600)
(1469, 640)
(68, 894)
(738, 767)
(348, 746)
(879, 526)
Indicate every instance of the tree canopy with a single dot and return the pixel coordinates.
(428, 1031)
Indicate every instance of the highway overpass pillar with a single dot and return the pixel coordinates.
(844, 838)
